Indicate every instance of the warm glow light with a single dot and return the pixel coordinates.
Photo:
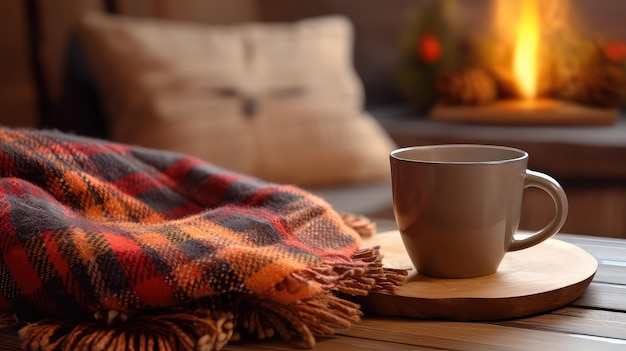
(526, 54)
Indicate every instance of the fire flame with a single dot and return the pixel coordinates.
(526, 51)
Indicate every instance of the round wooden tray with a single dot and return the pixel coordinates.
(538, 279)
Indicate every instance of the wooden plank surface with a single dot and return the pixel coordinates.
(603, 296)
(9, 340)
(573, 320)
(475, 336)
(343, 343)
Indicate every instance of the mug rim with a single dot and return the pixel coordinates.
(395, 154)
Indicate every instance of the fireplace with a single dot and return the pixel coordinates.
(535, 65)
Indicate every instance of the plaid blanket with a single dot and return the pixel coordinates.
(111, 247)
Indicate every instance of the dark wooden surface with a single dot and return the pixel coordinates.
(595, 321)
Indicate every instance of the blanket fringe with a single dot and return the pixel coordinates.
(361, 224)
(324, 312)
(200, 330)
(364, 275)
(320, 314)
(8, 320)
(387, 280)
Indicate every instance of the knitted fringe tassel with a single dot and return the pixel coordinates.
(361, 224)
(320, 315)
(205, 327)
(364, 275)
(199, 330)
(317, 315)
(8, 319)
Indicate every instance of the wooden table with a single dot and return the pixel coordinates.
(596, 321)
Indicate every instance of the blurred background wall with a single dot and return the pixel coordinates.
(33, 34)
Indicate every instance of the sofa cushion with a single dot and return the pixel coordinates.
(280, 101)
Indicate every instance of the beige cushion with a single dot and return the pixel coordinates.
(183, 86)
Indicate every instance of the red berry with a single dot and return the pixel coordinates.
(615, 51)
(429, 48)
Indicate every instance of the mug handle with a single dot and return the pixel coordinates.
(554, 189)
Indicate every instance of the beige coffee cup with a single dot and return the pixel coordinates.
(458, 206)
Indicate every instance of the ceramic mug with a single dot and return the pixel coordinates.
(458, 206)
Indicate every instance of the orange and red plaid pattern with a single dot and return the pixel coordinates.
(89, 225)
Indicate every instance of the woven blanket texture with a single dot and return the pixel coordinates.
(107, 246)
